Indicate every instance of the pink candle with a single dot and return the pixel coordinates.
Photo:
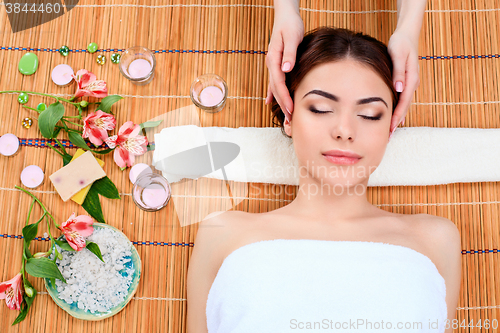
(139, 68)
(9, 144)
(61, 74)
(138, 170)
(211, 96)
(154, 196)
(32, 176)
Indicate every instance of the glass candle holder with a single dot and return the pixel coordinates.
(151, 192)
(138, 65)
(209, 92)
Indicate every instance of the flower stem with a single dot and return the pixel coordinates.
(60, 145)
(41, 94)
(27, 107)
(73, 123)
(54, 148)
(29, 212)
(79, 117)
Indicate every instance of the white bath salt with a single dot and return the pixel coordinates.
(97, 286)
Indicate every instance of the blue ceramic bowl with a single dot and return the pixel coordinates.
(73, 309)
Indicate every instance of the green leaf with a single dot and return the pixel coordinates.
(29, 232)
(93, 206)
(48, 119)
(102, 152)
(27, 253)
(77, 140)
(53, 282)
(106, 188)
(108, 101)
(22, 314)
(64, 245)
(151, 146)
(150, 124)
(94, 248)
(43, 268)
(66, 159)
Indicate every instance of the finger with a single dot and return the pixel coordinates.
(289, 56)
(279, 89)
(280, 102)
(399, 72)
(401, 108)
(269, 96)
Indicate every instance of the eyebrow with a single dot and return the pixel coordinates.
(336, 99)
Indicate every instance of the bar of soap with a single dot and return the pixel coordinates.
(70, 179)
(80, 196)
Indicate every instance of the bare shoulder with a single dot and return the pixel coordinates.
(204, 264)
(443, 237)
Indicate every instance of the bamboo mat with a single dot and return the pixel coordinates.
(459, 70)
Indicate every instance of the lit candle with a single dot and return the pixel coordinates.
(154, 196)
(139, 68)
(61, 74)
(138, 170)
(32, 176)
(9, 144)
(211, 96)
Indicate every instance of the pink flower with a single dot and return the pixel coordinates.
(88, 85)
(129, 144)
(96, 125)
(12, 292)
(75, 228)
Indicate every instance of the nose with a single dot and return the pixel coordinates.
(343, 129)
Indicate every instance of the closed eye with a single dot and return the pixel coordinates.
(364, 117)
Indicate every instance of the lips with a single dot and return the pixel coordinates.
(343, 157)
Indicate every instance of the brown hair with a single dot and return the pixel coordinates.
(325, 44)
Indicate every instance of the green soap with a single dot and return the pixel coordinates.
(28, 64)
(92, 47)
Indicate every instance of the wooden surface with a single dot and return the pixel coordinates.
(459, 71)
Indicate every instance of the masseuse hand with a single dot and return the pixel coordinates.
(288, 31)
(403, 49)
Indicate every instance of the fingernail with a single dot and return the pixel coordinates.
(399, 86)
(403, 123)
(286, 67)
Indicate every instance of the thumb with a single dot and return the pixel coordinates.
(289, 54)
(399, 73)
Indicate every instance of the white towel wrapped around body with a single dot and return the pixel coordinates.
(286, 285)
(414, 156)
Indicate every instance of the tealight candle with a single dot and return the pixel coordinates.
(61, 75)
(151, 192)
(211, 96)
(154, 196)
(209, 92)
(32, 176)
(9, 144)
(137, 170)
(138, 65)
(139, 68)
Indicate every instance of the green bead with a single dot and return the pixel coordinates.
(115, 58)
(92, 47)
(23, 98)
(28, 64)
(101, 59)
(41, 107)
(64, 50)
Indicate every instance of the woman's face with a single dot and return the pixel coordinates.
(348, 93)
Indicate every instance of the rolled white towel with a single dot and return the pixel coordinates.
(414, 156)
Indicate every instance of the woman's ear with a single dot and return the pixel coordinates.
(288, 127)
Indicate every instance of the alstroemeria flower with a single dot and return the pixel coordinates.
(75, 228)
(12, 292)
(96, 125)
(128, 144)
(88, 85)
